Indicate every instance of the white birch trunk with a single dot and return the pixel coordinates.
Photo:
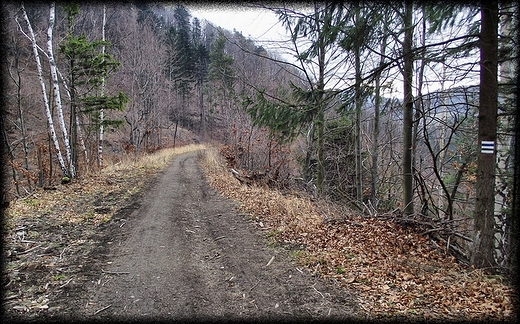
(50, 122)
(102, 112)
(504, 161)
(442, 138)
(56, 87)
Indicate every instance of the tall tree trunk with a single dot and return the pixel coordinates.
(487, 122)
(9, 150)
(175, 131)
(18, 82)
(358, 100)
(419, 111)
(505, 141)
(44, 94)
(202, 113)
(73, 134)
(56, 88)
(515, 208)
(375, 138)
(102, 111)
(320, 115)
(78, 127)
(408, 110)
(51, 170)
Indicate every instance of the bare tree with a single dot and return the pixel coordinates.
(56, 89)
(408, 110)
(15, 70)
(50, 121)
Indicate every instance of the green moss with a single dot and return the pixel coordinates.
(59, 277)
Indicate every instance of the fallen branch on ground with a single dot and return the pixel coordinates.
(270, 261)
(256, 284)
(29, 250)
(102, 309)
(115, 272)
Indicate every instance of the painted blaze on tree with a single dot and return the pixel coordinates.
(484, 246)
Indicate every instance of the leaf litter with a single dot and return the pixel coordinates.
(394, 271)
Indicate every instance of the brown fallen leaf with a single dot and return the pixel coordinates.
(350, 280)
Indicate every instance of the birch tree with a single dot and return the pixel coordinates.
(56, 89)
(102, 110)
(39, 69)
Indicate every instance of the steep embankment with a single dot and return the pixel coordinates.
(394, 270)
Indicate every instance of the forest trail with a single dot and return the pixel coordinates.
(185, 253)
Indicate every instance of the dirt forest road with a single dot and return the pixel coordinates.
(184, 252)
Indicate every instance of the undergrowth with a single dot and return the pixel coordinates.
(393, 270)
(46, 233)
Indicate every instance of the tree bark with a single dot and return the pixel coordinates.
(102, 111)
(483, 256)
(52, 130)
(375, 140)
(320, 115)
(408, 111)
(56, 87)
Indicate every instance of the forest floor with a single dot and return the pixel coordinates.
(154, 239)
(178, 250)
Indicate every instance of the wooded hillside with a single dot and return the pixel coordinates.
(404, 110)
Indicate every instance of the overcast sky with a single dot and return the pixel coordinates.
(258, 24)
(261, 25)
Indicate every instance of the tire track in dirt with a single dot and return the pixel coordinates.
(186, 253)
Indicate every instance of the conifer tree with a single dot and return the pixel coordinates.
(302, 105)
(483, 255)
(221, 74)
(201, 67)
(89, 65)
(181, 62)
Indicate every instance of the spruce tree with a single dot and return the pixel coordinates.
(88, 67)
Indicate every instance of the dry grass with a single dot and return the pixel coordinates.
(212, 160)
(96, 196)
(393, 270)
(258, 201)
(156, 160)
(47, 233)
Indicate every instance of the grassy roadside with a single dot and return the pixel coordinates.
(395, 271)
(46, 234)
(96, 196)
